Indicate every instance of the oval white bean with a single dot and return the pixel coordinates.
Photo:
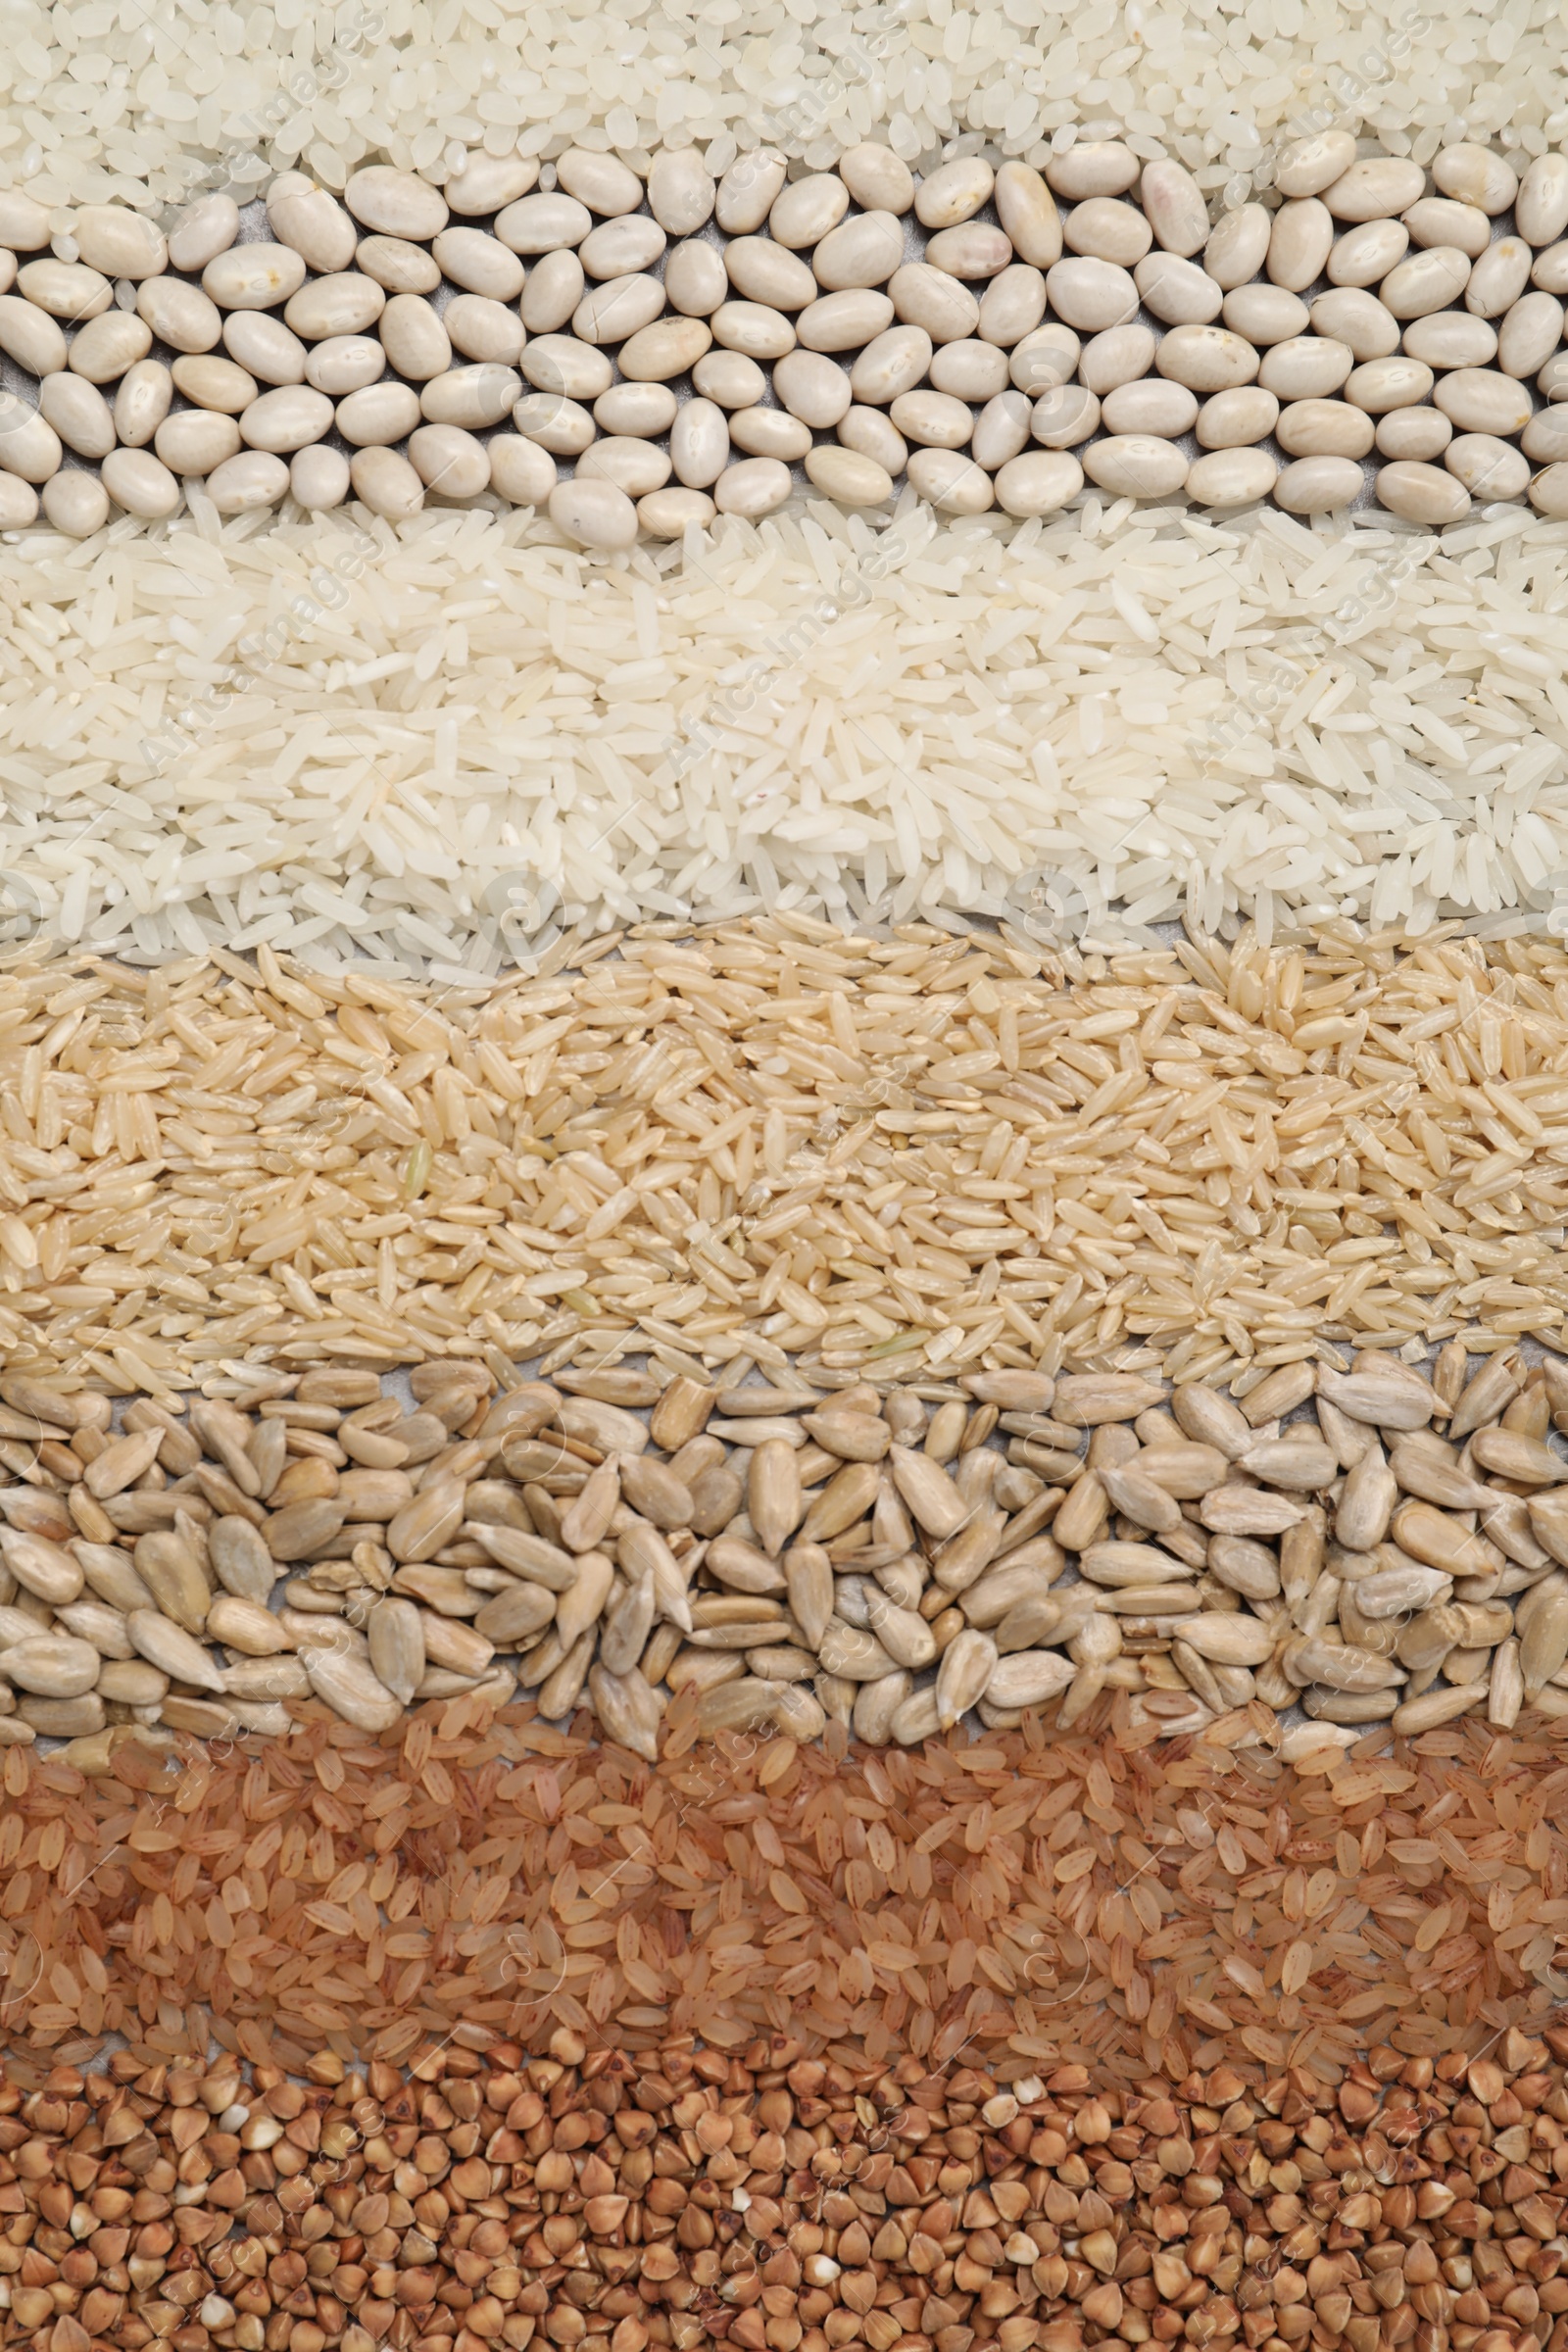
(1311, 165)
(1412, 433)
(1375, 187)
(730, 379)
(1064, 417)
(79, 413)
(253, 278)
(1047, 356)
(844, 322)
(746, 193)
(1121, 356)
(450, 462)
(487, 183)
(1232, 420)
(754, 329)
(386, 483)
(250, 479)
(103, 349)
(1230, 478)
(1498, 278)
(18, 500)
(892, 363)
(970, 370)
(1365, 255)
(397, 204)
(145, 396)
(971, 251)
(379, 415)
(1236, 246)
(699, 444)
(1422, 493)
(205, 229)
(617, 308)
(1317, 485)
(1263, 314)
(954, 192)
(1298, 243)
(29, 446)
(1091, 295)
(1483, 400)
(286, 419)
(1041, 482)
(1323, 428)
(950, 481)
(1000, 430)
(136, 480)
(472, 397)
(680, 190)
(1155, 406)
(215, 383)
(754, 487)
(1475, 175)
(1107, 230)
(633, 466)
(669, 348)
(1529, 334)
(553, 292)
(616, 248)
(480, 263)
(1425, 282)
(1541, 208)
(306, 218)
(111, 237)
(561, 364)
(1548, 493)
(521, 471)
(1545, 438)
(318, 479)
(265, 346)
(876, 178)
(1489, 469)
(1451, 339)
(483, 329)
(1207, 359)
(844, 475)
(397, 267)
(805, 210)
(1384, 384)
(342, 305)
(1357, 319)
(868, 431)
(640, 410)
(695, 280)
(933, 420)
(543, 224)
(813, 387)
(771, 433)
(603, 182)
(1012, 305)
(345, 364)
(928, 298)
(1135, 465)
(1174, 204)
(1028, 212)
(1092, 168)
(197, 441)
(1444, 220)
(181, 315)
(414, 338)
(65, 289)
(671, 513)
(1178, 292)
(862, 252)
(762, 272)
(74, 502)
(1306, 366)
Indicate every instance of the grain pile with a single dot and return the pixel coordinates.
(766, 2199)
(920, 1157)
(1088, 1897)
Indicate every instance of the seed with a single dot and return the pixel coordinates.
(773, 1493)
(168, 1568)
(395, 1629)
(173, 1650)
(351, 1689)
(627, 1708)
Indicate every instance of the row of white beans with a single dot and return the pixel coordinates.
(1009, 364)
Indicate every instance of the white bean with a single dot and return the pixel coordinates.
(1311, 165)
(730, 379)
(954, 192)
(1230, 478)
(1263, 314)
(862, 252)
(680, 190)
(286, 419)
(757, 486)
(1427, 281)
(1498, 278)
(1046, 356)
(345, 364)
(215, 383)
(1483, 400)
(1489, 469)
(1166, 410)
(345, 304)
(1422, 493)
(1306, 366)
(386, 483)
(806, 210)
(111, 237)
(8, 270)
(1317, 485)
(379, 415)
(891, 364)
(753, 328)
(18, 500)
(103, 349)
(876, 178)
(1121, 356)
(603, 182)
(1323, 428)
(1365, 255)
(1298, 243)
(970, 370)
(397, 204)
(973, 250)
(145, 396)
(1028, 212)
(1475, 177)
(1375, 188)
(304, 216)
(699, 444)
(487, 183)
(1541, 208)
(521, 471)
(196, 441)
(695, 279)
(1545, 438)
(78, 414)
(483, 329)
(1236, 246)
(746, 193)
(556, 424)
(1208, 358)
(771, 433)
(29, 336)
(1412, 433)
(1135, 465)
(318, 479)
(181, 316)
(632, 465)
(950, 482)
(1091, 295)
(1444, 220)
(762, 272)
(1384, 384)
(1174, 204)
(929, 298)
(847, 477)
(1177, 291)
(74, 502)
(553, 292)
(398, 266)
(1041, 482)
(65, 289)
(205, 232)
(1529, 334)
(616, 248)
(1451, 339)
(1234, 419)
(474, 397)
(617, 308)
(265, 346)
(543, 224)
(813, 387)
(670, 347)
(1063, 416)
(246, 481)
(1552, 382)
(137, 481)
(480, 263)
(671, 513)
(845, 321)
(29, 446)
(23, 222)
(1000, 430)
(1357, 319)
(1548, 493)
(1012, 305)
(868, 431)
(1107, 230)
(414, 338)
(253, 278)
(933, 420)
(448, 462)
(1092, 168)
